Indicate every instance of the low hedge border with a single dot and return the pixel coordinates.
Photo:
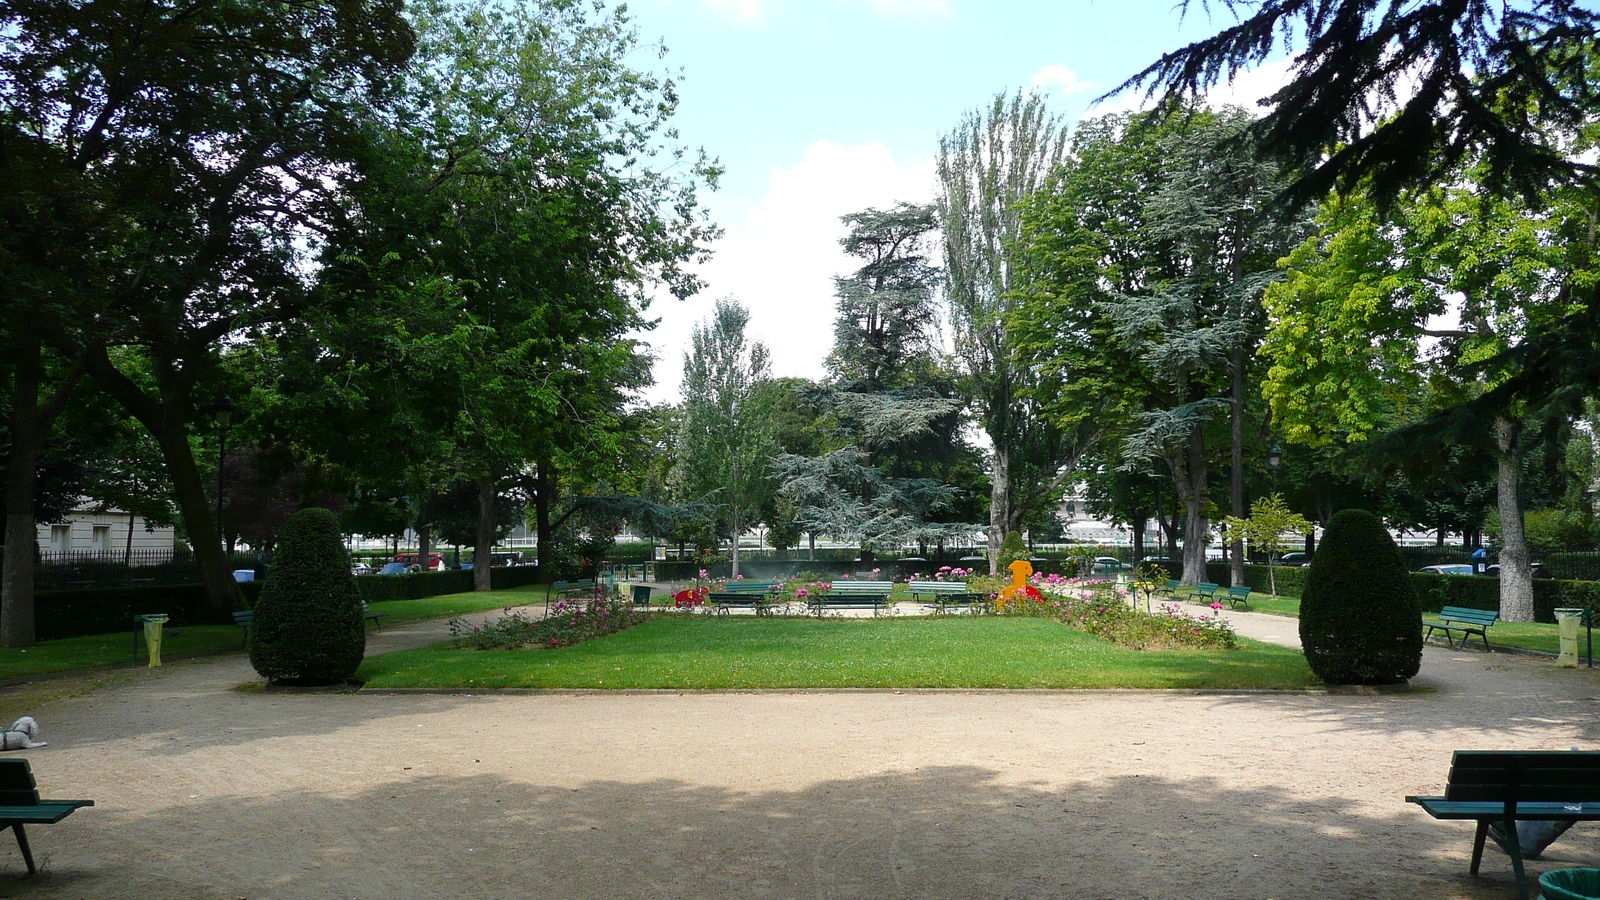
(63, 614)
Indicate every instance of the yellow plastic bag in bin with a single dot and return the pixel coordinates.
(152, 636)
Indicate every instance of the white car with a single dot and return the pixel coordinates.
(1449, 569)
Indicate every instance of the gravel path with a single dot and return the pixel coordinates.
(205, 791)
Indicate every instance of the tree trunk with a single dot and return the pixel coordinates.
(999, 505)
(1236, 461)
(16, 588)
(1516, 570)
(127, 547)
(734, 556)
(164, 417)
(1138, 539)
(484, 539)
(541, 520)
(1190, 475)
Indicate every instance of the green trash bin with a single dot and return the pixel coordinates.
(1570, 884)
(641, 595)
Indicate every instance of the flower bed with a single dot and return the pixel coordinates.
(570, 621)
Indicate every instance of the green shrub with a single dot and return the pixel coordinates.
(308, 626)
(1360, 622)
(1012, 550)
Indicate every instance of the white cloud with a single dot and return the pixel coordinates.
(1059, 76)
(781, 260)
(1244, 90)
(1249, 87)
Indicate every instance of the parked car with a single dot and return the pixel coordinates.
(361, 569)
(398, 568)
(1448, 569)
(1540, 570)
(1295, 559)
(1105, 564)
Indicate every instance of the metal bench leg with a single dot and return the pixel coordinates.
(22, 842)
(1477, 844)
(1514, 848)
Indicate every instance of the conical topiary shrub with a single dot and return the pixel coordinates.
(1360, 622)
(308, 627)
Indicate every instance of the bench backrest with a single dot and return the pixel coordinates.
(1471, 616)
(938, 587)
(17, 787)
(1242, 590)
(752, 587)
(860, 588)
(1206, 587)
(244, 617)
(1498, 776)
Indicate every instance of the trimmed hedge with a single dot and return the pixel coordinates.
(506, 577)
(308, 626)
(64, 614)
(413, 585)
(1359, 618)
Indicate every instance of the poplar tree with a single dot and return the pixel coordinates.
(725, 442)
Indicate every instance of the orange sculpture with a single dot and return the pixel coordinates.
(1020, 570)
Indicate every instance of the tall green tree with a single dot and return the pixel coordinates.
(1362, 337)
(176, 157)
(987, 166)
(1150, 254)
(726, 442)
(516, 209)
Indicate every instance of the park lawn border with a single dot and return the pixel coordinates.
(114, 649)
(903, 653)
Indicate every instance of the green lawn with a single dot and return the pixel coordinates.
(703, 652)
(97, 651)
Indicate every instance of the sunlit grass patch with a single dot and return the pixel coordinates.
(703, 652)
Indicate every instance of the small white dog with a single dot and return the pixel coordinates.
(22, 735)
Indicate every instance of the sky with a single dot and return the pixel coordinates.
(819, 108)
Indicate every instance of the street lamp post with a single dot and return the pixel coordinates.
(1274, 461)
(222, 412)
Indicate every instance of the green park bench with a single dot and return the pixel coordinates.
(755, 595)
(1468, 622)
(570, 588)
(1170, 589)
(244, 617)
(873, 595)
(1238, 594)
(1203, 592)
(1504, 787)
(20, 805)
(944, 596)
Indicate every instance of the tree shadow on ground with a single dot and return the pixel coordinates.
(948, 832)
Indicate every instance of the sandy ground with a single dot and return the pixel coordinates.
(204, 791)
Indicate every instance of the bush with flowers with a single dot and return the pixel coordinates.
(570, 621)
(1101, 610)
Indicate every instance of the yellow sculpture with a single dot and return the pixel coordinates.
(1020, 571)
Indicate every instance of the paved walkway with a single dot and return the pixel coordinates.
(205, 791)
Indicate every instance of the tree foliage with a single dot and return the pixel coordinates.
(1393, 94)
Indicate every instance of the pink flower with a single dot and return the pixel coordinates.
(801, 593)
(1215, 605)
(876, 571)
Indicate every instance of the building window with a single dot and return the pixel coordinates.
(60, 538)
(100, 541)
